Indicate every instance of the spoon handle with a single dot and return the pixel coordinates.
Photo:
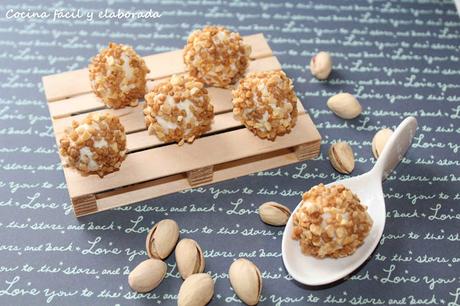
(395, 148)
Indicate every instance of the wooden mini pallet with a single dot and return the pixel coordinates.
(153, 168)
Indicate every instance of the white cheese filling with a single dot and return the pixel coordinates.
(263, 124)
(125, 85)
(128, 71)
(100, 143)
(189, 116)
(85, 153)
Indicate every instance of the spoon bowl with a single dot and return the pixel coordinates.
(313, 271)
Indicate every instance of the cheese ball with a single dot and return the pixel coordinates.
(178, 110)
(97, 145)
(265, 102)
(118, 76)
(331, 222)
(216, 56)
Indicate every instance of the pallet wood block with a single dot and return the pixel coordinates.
(153, 168)
(200, 176)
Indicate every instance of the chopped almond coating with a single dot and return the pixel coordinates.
(178, 110)
(265, 102)
(118, 76)
(97, 145)
(331, 222)
(216, 56)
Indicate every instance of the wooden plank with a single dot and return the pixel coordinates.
(200, 176)
(137, 136)
(85, 204)
(259, 45)
(163, 65)
(160, 187)
(142, 140)
(226, 121)
(68, 84)
(89, 102)
(172, 159)
(132, 118)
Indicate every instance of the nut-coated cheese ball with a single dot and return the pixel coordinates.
(118, 76)
(331, 222)
(216, 56)
(97, 145)
(178, 110)
(265, 102)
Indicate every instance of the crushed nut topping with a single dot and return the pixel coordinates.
(118, 76)
(265, 102)
(216, 56)
(331, 222)
(97, 145)
(178, 110)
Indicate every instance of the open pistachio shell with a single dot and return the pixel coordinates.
(162, 239)
(189, 258)
(344, 105)
(341, 157)
(379, 141)
(274, 213)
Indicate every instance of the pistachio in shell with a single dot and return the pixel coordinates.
(162, 239)
(344, 105)
(379, 141)
(274, 213)
(341, 157)
(147, 275)
(246, 280)
(321, 65)
(196, 290)
(189, 258)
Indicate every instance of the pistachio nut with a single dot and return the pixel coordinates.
(147, 275)
(274, 213)
(196, 290)
(189, 258)
(344, 105)
(379, 141)
(321, 65)
(162, 239)
(246, 280)
(341, 157)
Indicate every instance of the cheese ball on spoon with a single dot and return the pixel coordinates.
(216, 56)
(265, 102)
(96, 145)
(178, 110)
(118, 76)
(331, 222)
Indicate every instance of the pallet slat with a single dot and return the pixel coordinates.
(61, 86)
(128, 195)
(137, 136)
(132, 118)
(142, 140)
(89, 102)
(172, 159)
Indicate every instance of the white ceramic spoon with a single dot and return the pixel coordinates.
(314, 272)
